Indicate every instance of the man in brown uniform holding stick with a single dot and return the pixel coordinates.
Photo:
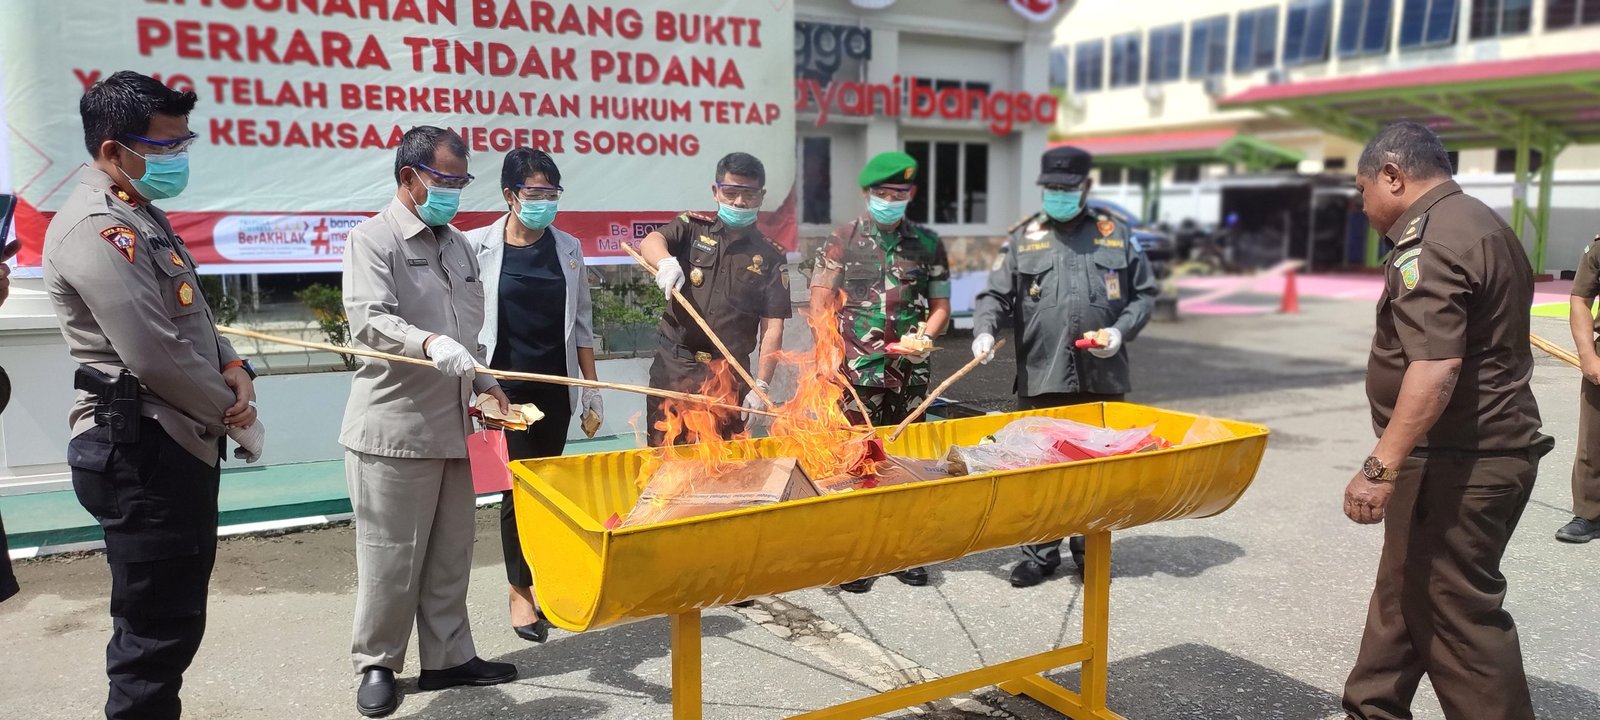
(1585, 525)
(1458, 440)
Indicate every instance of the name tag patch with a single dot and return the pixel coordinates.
(417, 262)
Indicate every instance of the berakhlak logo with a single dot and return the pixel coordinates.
(1036, 10)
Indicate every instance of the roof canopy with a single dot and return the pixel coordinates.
(1159, 150)
(1548, 102)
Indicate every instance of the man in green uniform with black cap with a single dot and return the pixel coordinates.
(1066, 274)
(896, 282)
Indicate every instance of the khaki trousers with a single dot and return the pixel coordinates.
(414, 535)
(1437, 607)
(1586, 465)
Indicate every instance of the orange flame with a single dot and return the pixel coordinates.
(811, 427)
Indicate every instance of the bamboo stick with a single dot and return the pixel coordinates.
(738, 367)
(928, 401)
(502, 374)
(1556, 351)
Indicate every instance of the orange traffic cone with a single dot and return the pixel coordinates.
(1291, 296)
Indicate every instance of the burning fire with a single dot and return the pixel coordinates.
(811, 427)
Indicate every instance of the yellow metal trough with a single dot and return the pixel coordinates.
(588, 577)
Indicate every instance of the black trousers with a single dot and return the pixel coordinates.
(546, 438)
(1048, 554)
(8, 581)
(157, 505)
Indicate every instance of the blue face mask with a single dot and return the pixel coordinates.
(1063, 205)
(165, 176)
(886, 212)
(537, 214)
(440, 207)
(736, 217)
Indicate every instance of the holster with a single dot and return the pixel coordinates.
(118, 404)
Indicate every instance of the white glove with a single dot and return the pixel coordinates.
(251, 440)
(669, 276)
(590, 402)
(752, 401)
(1113, 344)
(450, 357)
(983, 346)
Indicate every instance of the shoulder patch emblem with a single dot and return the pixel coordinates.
(1106, 227)
(1410, 273)
(1407, 255)
(185, 294)
(122, 238)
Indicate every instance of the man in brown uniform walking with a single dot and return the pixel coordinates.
(1458, 440)
(1585, 525)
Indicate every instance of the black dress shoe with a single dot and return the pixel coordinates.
(858, 586)
(476, 671)
(1029, 573)
(538, 632)
(376, 697)
(915, 577)
(1580, 530)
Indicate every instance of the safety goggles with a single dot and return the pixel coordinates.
(165, 147)
(732, 192)
(448, 181)
(537, 193)
(894, 193)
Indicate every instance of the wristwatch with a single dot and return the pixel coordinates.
(1374, 469)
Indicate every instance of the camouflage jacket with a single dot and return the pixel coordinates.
(888, 279)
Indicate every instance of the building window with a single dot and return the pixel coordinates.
(954, 187)
(1089, 66)
(816, 180)
(1138, 177)
(1125, 60)
(1166, 54)
(1208, 47)
(1500, 18)
(1364, 27)
(1426, 23)
(1505, 161)
(1305, 39)
(1058, 68)
(1111, 175)
(1255, 44)
(1560, 14)
(1185, 173)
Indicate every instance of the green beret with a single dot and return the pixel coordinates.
(889, 167)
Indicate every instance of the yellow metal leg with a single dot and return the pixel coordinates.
(1096, 616)
(686, 698)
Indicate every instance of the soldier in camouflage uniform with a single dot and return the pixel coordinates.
(896, 278)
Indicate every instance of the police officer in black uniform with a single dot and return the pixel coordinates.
(736, 278)
(158, 387)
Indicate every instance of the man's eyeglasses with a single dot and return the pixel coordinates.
(448, 181)
(166, 147)
(537, 193)
(892, 193)
(745, 193)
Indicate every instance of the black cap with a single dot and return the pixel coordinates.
(1065, 165)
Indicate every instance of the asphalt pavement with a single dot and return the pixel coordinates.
(1252, 614)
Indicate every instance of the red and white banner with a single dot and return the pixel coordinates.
(302, 103)
(1036, 10)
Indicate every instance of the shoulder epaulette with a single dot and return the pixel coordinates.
(698, 217)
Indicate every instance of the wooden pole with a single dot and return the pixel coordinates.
(1556, 351)
(502, 374)
(738, 367)
(927, 401)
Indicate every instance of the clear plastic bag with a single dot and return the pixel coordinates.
(1206, 429)
(1035, 441)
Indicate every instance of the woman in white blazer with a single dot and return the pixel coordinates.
(530, 269)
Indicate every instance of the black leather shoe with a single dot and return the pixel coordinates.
(376, 697)
(476, 671)
(858, 586)
(538, 632)
(1029, 573)
(1580, 530)
(915, 577)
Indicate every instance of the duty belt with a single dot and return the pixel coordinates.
(1458, 455)
(699, 356)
